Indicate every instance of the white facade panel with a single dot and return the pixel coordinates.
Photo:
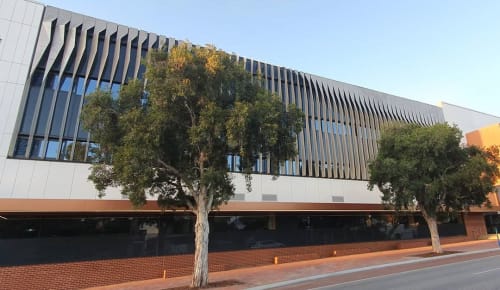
(466, 119)
(59, 181)
(10, 45)
(324, 190)
(23, 179)
(8, 178)
(7, 89)
(24, 34)
(4, 70)
(38, 180)
(81, 188)
(7, 9)
(298, 189)
(19, 25)
(307, 190)
(19, 11)
(4, 28)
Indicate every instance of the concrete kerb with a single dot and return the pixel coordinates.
(374, 267)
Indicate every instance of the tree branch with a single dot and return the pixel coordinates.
(210, 201)
(170, 168)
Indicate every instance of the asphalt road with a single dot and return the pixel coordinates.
(481, 274)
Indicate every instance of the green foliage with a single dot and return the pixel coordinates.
(169, 136)
(427, 166)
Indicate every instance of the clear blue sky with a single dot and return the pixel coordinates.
(424, 50)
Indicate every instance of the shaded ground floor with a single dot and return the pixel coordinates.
(90, 249)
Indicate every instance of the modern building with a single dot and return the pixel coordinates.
(486, 137)
(52, 220)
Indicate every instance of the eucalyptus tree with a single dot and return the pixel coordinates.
(169, 136)
(427, 168)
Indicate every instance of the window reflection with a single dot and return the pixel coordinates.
(52, 147)
(115, 90)
(66, 148)
(104, 86)
(36, 148)
(92, 152)
(79, 151)
(65, 86)
(91, 87)
(21, 146)
(78, 86)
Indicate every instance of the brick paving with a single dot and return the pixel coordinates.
(348, 267)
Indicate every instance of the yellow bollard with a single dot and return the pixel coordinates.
(334, 253)
(164, 274)
(275, 260)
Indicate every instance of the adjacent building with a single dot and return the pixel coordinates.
(52, 219)
(486, 137)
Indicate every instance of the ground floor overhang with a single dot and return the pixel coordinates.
(65, 206)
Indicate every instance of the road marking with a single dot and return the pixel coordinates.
(482, 272)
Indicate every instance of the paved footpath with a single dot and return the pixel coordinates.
(307, 274)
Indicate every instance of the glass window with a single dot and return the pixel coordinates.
(91, 87)
(37, 78)
(109, 61)
(44, 111)
(78, 86)
(92, 152)
(247, 65)
(21, 146)
(58, 113)
(82, 133)
(230, 162)
(29, 111)
(66, 148)
(36, 148)
(119, 70)
(66, 83)
(133, 55)
(52, 81)
(115, 90)
(104, 86)
(264, 165)
(97, 60)
(237, 163)
(52, 147)
(71, 121)
(80, 148)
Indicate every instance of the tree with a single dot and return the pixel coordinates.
(426, 168)
(169, 136)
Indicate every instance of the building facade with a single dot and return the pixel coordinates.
(486, 137)
(53, 220)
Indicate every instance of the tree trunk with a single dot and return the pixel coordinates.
(432, 224)
(201, 230)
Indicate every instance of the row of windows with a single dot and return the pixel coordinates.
(338, 128)
(92, 238)
(54, 149)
